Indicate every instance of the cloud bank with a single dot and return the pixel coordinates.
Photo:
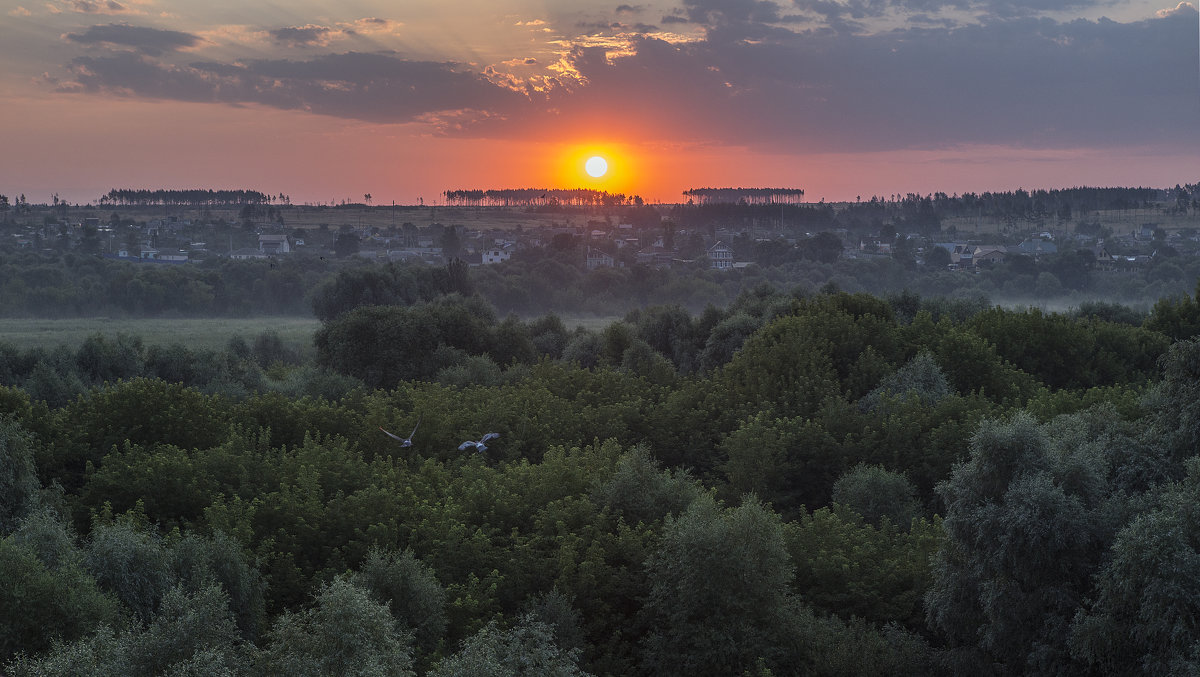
(808, 75)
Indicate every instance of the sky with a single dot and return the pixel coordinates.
(326, 101)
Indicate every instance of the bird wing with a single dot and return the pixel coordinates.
(489, 437)
(418, 425)
(466, 445)
(394, 437)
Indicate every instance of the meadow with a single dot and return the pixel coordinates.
(195, 333)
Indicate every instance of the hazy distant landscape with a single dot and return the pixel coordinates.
(678, 338)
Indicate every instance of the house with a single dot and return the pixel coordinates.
(963, 255)
(274, 244)
(720, 256)
(598, 259)
(1104, 260)
(991, 254)
(497, 254)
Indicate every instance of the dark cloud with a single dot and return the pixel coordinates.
(630, 9)
(1026, 82)
(530, 61)
(151, 41)
(725, 12)
(92, 7)
(371, 87)
(672, 19)
(1029, 82)
(301, 36)
(837, 12)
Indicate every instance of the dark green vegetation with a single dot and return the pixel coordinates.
(828, 484)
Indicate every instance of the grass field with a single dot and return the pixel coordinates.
(209, 333)
(203, 333)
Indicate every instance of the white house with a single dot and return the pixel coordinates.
(497, 254)
(274, 244)
(598, 259)
(720, 256)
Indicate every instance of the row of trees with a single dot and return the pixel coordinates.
(78, 285)
(194, 197)
(536, 197)
(747, 196)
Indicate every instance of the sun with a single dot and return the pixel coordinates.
(596, 166)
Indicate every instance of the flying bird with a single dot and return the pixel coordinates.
(481, 445)
(405, 441)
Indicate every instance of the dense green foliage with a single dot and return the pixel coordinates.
(827, 484)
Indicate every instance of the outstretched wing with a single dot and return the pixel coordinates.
(489, 437)
(394, 437)
(467, 445)
(418, 425)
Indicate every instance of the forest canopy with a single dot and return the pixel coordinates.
(824, 483)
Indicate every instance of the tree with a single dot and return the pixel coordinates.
(131, 563)
(876, 493)
(19, 486)
(937, 257)
(719, 597)
(451, 243)
(410, 590)
(920, 379)
(824, 247)
(218, 561)
(345, 632)
(1025, 528)
(44, 602)
(526, 650)
(640, 491)
(346, 244)
(1142, 618)
(192, 635)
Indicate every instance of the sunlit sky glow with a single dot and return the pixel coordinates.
(329, 101)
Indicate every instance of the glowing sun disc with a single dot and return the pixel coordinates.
(596, 166)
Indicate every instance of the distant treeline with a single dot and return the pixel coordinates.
(75, 285)
(1020, 202)
(752, 196)
(192, 197)
(536, 197)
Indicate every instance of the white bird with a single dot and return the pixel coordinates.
(405, 441)
(481, 445)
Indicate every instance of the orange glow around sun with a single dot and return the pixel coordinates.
(578, 168)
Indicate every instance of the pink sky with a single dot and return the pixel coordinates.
(330, 101)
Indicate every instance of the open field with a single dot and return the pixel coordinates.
(203, 333)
